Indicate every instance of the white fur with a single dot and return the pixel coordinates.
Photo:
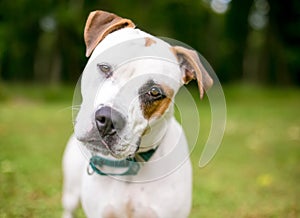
(163, 186)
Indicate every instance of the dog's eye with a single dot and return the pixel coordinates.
(105, 68)
(155, 92)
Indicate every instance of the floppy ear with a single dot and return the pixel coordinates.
(192, 68)
(98, 25)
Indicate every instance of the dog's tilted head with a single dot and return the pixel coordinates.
(128, 86)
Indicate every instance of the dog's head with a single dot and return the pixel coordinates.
(128, 86)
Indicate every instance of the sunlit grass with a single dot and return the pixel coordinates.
(256, 172)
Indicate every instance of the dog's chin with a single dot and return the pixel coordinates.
(121, 156)
(117, 151)
(96, 147)
(125, 151)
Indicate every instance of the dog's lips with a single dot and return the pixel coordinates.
(116, 149)
(96, 147)
(100, 146)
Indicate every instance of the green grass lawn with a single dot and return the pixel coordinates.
(256, 172)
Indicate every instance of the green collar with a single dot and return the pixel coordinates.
(132, 164)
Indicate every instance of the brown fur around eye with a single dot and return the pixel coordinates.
(156, 108)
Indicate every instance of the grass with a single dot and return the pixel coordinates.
(256, 172)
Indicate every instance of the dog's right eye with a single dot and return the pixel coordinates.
(106, 69)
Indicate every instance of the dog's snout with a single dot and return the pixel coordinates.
(109, 121)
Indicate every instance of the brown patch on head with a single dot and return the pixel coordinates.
(155, 106)
(161, 108)
(156, 109)
(149, 41)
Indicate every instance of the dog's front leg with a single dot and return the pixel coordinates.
(73, 167)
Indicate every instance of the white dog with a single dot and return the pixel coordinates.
(129, 156)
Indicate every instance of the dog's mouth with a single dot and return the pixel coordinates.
(119, 149)
(96, 147)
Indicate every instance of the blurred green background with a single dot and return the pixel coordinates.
(251, 40)
(254, 48)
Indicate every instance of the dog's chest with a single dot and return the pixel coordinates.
(131, 205)
(166, 197)
(106, 197)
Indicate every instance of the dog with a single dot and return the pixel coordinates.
(128, 156)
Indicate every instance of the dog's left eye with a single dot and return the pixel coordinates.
(155, 92)
(105, 68)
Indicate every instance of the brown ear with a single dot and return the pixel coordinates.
(192, 68)
(98, 25)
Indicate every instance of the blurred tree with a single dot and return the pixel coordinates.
(19, 31)
(283, 43)
(252, 40)
(237, 30)
(41, 41)
(273, 52)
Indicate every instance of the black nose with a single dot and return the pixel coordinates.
(109, 121)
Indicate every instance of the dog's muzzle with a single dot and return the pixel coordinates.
(109, 121)
(110, 124)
